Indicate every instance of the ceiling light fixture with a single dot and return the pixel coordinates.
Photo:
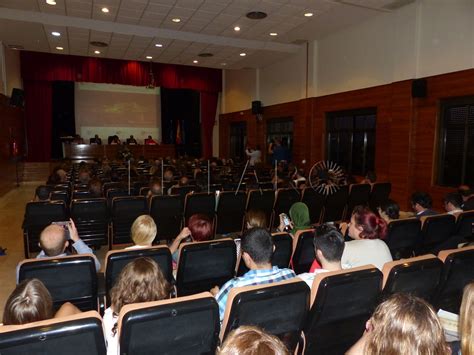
(97, 52)
(236, 28)
(256, 15)
(158, 45)
(105, 10)
(56, 34)
(243, 54)
(223, 64)
(308, 14)
(59, 48)
(176, 20)
(51, 2)
(195, 61)
(273, 34)
(149, 57)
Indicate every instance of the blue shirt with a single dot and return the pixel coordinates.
(251, 278)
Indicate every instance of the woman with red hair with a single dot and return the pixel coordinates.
(366, 229)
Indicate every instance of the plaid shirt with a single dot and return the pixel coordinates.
(251, 278)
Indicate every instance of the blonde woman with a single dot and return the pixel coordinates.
(143, 232)
(466, 320)
(402, 325)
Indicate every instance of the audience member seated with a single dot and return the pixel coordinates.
(199, 229)
(466, 324)
(467, 194)
(143, 232)
(95, 140)
(54, 240)
(95, 188)
(402, 325)
(78, 139)
(115, 140)
(389, 211)
(141, 280)
(366, 230)
(32, 302)
(42, 193)
(250, 340)
(131, 140)
(59, 176)
(299, 218)
(150, 141)
(255, 218)
(84, 176)
(328, 248)
(452, 203)
(155, 189)
(257, 249)
(369, 178)
(421, 203)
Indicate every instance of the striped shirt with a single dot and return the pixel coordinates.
(252, 278)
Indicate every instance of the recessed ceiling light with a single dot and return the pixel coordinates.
(176, 20)
(51, 2)
(56, 34)
(97, 52)
(237, 28)
(59, 48)
(223, 64)
(149, 57)
(308, 14)
(195, 61)
(256, 15)
(105, 10)
(273, 34)
(158, 45)
(243, 54)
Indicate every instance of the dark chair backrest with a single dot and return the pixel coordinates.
(379, 194)
(39, 215)
(465, 224)
(115, 261)
(203, 203)
(315, 202)
(418, 276)
(182, 190)
(80, 194)
(75, 335)
(403, 237)
(341, 303)
(124, 212)
(303, 251)
(230, 212)
(335, 205)
(91, 218)
(60, 195)
(184, 325)
(167, 212)
(282, 309)
(262, 200)
(458, 271)
(359, 194)
(436, 230)
(284, 199)
(68, 279)
(203, 265)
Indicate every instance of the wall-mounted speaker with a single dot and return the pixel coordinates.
(257, 108)
(419, 88)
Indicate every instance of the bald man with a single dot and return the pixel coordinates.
(53, 242)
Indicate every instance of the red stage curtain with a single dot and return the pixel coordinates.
(208, 115)
(40, 69)
(38, 112)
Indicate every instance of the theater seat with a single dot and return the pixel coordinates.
(68, 279)
(418, 276)
(230, 212)
(203, 265)
(341, 303)
(167, 212)
(303, 251)
(458, 271)
(182, 326)
(284, 199)
(261, 200)
(124, 212)
(203, 203)
(403, 237)
(435, 230)
(379, 194)
(73, 335)
(279, 308)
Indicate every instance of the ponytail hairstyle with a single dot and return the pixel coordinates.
(373, 227)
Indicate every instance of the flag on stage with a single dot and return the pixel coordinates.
(179, 138)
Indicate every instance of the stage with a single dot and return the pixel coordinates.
(88, 152)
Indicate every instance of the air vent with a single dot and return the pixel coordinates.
(256, 15)
(98, 44)
(398, 4)
(16, 47)
(205, 55)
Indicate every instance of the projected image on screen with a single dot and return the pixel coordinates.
(108, 109)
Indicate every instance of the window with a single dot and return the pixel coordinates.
(456, 142)
(281, 128)
(238, 139)
(351, 139)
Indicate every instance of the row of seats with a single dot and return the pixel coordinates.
(331, 315)
(95, 220)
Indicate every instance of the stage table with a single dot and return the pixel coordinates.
(112, 152)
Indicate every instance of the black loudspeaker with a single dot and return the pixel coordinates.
(419, 88)
(17, 98)
(257, 108)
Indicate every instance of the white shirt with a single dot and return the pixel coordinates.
(457, 210)
(255, 156)
(361, 252)
(109, 321)
(308, 277)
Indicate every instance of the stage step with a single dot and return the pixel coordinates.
(34, 171)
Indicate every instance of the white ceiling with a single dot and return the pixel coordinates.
(133, 27)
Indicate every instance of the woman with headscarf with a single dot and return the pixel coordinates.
(299, 218)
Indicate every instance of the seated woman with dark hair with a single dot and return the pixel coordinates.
(366, 230)
(199, 229)
(141, 280)
(389, 211)
(255, 218)
(32, 302)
